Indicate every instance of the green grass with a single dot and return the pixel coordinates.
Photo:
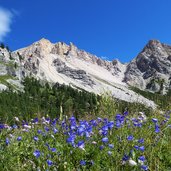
(19, 155)
(4, 78)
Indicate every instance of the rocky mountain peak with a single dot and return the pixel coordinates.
(43, 45)
(151, 69)
(154, 48)
(60, 48)
(152, 43)
(43, 41)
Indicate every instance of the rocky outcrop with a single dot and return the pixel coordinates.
(79, 75)
(152, 63)
(60, 49)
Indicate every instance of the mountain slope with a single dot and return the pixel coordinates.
(69, 65)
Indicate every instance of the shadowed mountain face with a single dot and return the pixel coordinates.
(151, 69)
(66, 64)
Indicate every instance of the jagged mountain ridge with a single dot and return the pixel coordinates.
(67, 64)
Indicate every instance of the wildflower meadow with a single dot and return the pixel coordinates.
(122, 142)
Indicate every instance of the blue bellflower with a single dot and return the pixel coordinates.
(49, 162)
(19, 138)
(82, 163)
(36, 138)
(105, 140)
(36, 153)
(157, 128)
(144, 167)
(130, 138)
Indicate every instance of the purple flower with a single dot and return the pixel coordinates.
(99, 119)
(130, 138)
(14, 126)
(72, 127)
(89, 129)
(141, 148)
(125, 113)
(118, 124)
(93, 122)
(125, 157)
(157, 128)
(105, 140)
(141, 140)
(2, 126)
(118, 117)
(105, 120)
(36, 138)
(72, 119)
(142, 158)
(70, 140)
(136, 147)
(109, 152)
(53, 122)
(101, 147)
(55, 130)
(104, 133)
(80, 131)
(39, 131)
(7, 141)
(111, 146)
(19, 138)
(154, 120)
(110, 124)
(144, 167)
(46, 128)
(105, 128)
(36, 153)
(163, 122)
(35, 120)
(53, 149)
(80, 144)
(49, 162)
(82, 163)
(137, 124)
(87, 134)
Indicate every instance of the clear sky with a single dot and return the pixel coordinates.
(108, 28)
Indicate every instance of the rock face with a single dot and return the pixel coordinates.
(66, 64)
(151, 69)
(79, 74)
(9, 69)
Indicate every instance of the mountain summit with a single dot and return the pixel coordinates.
(151, 69)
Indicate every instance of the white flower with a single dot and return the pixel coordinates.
(43, 119)
(10, 135)
(52, 136)
(65, 163)
(17, 119)
(94, 142)
(27, 126)
(132, 162)
(140, 162)
(47, 122)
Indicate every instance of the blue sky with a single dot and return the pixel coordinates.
(110, 29)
